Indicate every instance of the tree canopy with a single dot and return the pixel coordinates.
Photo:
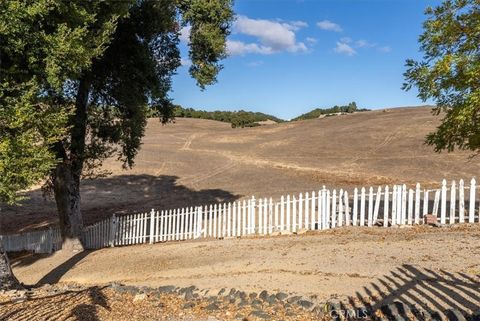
(317, 112)
(77, 79)
(449, 73)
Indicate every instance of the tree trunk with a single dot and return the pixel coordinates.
(7, 280)
(67, 174)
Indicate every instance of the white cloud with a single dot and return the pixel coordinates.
(186, 62)
(344, 48)
(385, 49)
(255, 63)
(272, 36)
(235, 47)
(364, 44)
(311, 40)
(185, 34)
(329, 25)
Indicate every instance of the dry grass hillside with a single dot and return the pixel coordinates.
(195, 162)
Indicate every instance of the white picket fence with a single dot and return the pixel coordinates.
(324, 209)
(44, 241)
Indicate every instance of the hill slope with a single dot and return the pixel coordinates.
(197, 161)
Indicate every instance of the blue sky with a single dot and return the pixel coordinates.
(290, 56)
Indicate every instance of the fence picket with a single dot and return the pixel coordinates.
(288, 214)
(370, 207)
(461, 202)
(355, 207)
(471, 208)
(362, 207)
(265, 216)
(453, 201)
(386, 204)
(312, 211)
(282, 213)
(410, 207)
(300, 211)
(340, 208)
(294, 214)
(417, 203)
(307, 214)
(404, 205)
(377, 205)
(334, 208)
(347, 209)
(443, 207)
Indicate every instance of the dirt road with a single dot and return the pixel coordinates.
(432, 267)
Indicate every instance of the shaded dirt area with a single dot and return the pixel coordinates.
(103, 303)
(352, 265)
(196, 162)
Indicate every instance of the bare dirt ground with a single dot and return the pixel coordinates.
(435, 268)
(196, 162)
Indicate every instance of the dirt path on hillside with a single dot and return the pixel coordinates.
(434, 267)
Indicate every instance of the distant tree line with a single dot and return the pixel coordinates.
(348, 109)
(239, 118)
(244, 118)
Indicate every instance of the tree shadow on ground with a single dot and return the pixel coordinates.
(72, 304)
(122, 194)
(56, 274)
(410, 293)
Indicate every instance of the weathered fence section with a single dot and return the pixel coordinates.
(317, 210)
(45, 241)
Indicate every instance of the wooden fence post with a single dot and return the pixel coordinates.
(152, 226)
(461, 201)
(113, 230)
(265, 216)
(282, 213)
(471, 208)
(425, 202)
(362, 207)
(294, 213)
(334, 208)
(394, 205)
(347, 209)
(404, 204)
(340, 208)
(288, 213)
(355, 206)
(417, 203)
(453, 201)
(300, 211)
(307, 217)
(410, 207)
(312, 212)
(370, 207)
(327, 211)
(377, 205)
(386, 206)
(443, 207)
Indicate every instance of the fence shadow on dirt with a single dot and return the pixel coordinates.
(410, 292)
(69, 305)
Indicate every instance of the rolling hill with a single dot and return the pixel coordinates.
(197, 161)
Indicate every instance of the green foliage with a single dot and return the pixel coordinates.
(239, 118)
(42, 44)
(449, 73)
(350, 108)
(112, 60)
(27, 128)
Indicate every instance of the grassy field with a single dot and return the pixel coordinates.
(196, 162)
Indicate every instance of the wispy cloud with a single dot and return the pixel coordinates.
(255, 63)
(385, 49)
(272, 36)
(186, 62)
(344, 48)
(329, 26)
(349, 46)
(185, 34)
(311, 40)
